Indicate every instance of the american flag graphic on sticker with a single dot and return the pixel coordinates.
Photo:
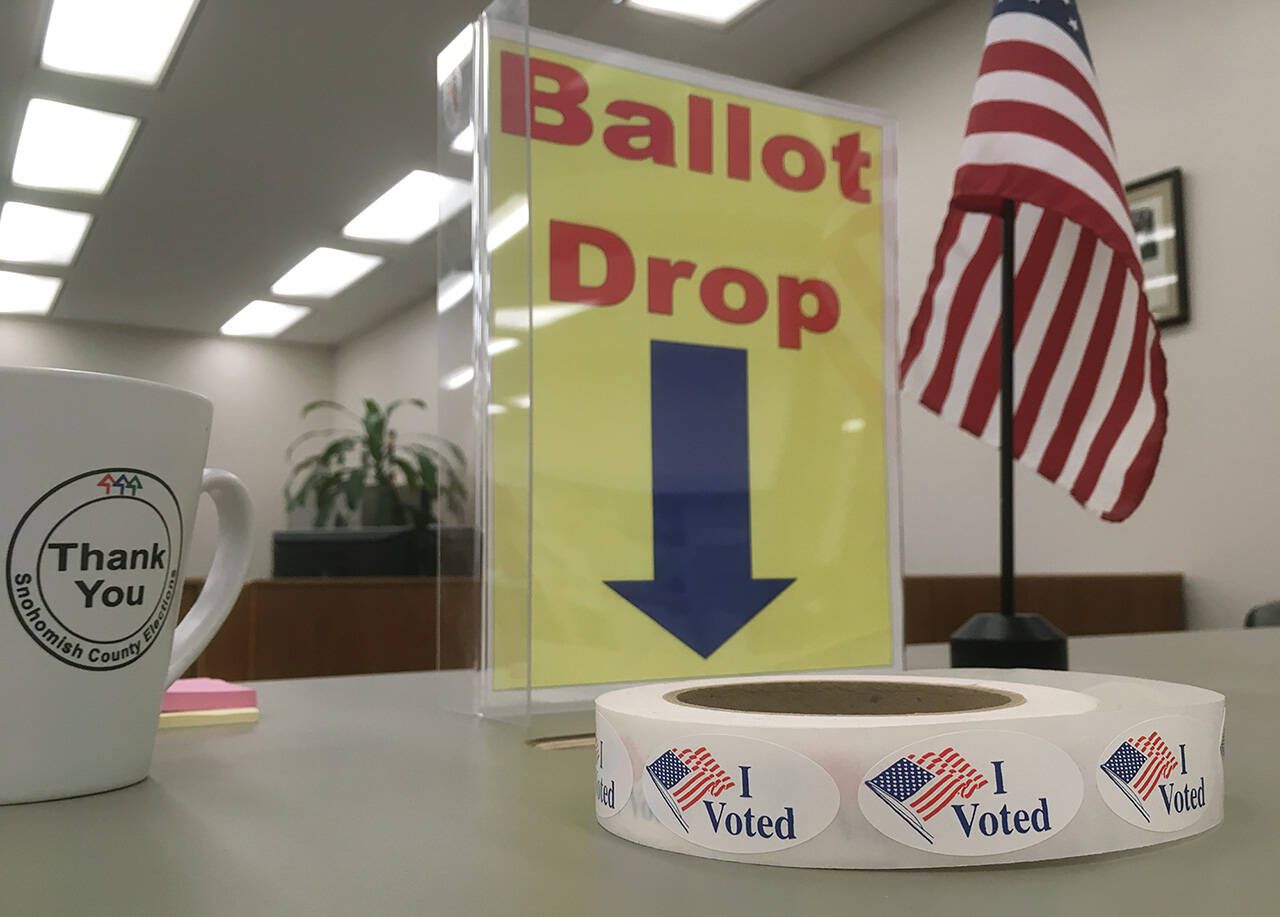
(972, 793)
(918, 787)
(684, 777)
(1137, 766)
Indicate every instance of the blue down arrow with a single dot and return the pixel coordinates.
(702, 589)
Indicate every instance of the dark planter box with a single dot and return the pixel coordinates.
(391, 550)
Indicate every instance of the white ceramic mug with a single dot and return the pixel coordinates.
(99, 481)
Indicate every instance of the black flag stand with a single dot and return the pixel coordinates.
(1009, 639)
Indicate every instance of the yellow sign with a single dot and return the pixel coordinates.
(691, 446)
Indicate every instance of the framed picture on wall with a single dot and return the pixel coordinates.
(1155, 206)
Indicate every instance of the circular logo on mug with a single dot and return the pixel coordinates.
(93, 566)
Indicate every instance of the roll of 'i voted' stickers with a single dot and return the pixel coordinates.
(891, 772)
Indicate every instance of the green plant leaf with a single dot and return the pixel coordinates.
(302, 466)
(430, 476)
(412, 478)
(299, 496)
(375, 430)
(324, 484)
(337, 449)
(455, 503)
(326, 492)
(374, 456)
(392, 406)
(353, 488)
(328, 403)
(435, 456)
(440, 445)
(310, 435)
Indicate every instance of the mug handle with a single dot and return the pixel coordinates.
(230, 564)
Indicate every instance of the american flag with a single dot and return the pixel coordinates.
(1138, 766)
(1089, 375)
(918, 787)
(685, 777)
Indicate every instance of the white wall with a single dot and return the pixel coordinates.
(394, 359)
(1185, 83)
(402, 358)
(257, 389)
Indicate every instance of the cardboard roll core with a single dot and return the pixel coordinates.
(846, 698)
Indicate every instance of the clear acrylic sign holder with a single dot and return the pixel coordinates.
(576, 597)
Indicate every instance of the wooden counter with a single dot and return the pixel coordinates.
(296, 628)
(1080, 604)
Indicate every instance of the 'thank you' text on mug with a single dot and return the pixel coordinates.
(93, 566)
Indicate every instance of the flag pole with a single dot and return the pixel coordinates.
(1007, 609)
(1009, 639)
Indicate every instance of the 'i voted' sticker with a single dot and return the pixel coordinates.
(1162, 773)
(972, 793)
(737, 794)
(614, 778)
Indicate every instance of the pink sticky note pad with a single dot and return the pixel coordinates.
(206, 694)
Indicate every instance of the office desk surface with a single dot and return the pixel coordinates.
(373, 795)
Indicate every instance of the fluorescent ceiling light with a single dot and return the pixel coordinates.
(413, 207)
(716, 12)
(458, 378)
(497, 409)
(502, 345)
(507, 221)
(453, 289)
(453, 56)
(465, 142)
(521, 319)
(325, 272)
(130, 40)
(263, 319)
(41, 235)
(522, 401)
(69, 148)
(27, 293)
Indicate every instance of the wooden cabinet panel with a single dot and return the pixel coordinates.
(1079, 604)
(296, 628)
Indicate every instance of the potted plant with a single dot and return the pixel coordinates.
(365, 471)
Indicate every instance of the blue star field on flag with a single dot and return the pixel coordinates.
(1125, 762)
(1062, 13)
(668, 769)
(902, 779)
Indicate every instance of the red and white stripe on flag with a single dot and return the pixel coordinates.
(1089, 407)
